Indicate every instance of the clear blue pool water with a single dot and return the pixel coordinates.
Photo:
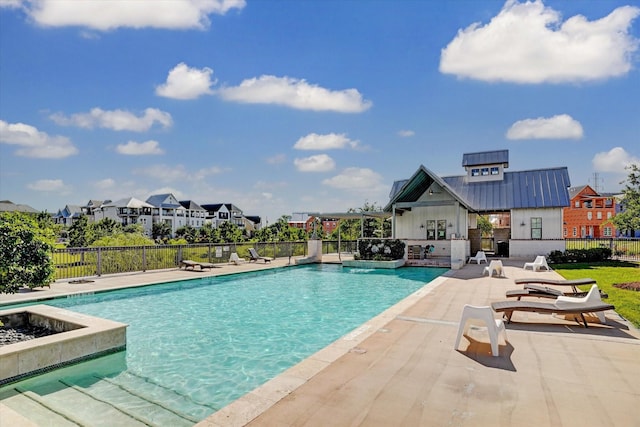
(211, 340)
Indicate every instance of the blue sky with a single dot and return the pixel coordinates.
(287, 106)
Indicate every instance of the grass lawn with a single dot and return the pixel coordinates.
(627, 302)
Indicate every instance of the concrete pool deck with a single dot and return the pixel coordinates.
(400, 368)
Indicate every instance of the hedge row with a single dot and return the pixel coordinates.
(580, 255)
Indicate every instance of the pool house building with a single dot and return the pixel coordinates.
(525, 208)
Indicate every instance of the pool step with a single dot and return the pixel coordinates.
(127, 401)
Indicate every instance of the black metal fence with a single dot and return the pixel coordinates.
(96, 261)
(621, 249)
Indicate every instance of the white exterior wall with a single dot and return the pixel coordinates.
(529, 249)
(408, 224)
(522, 246)
(551, 223)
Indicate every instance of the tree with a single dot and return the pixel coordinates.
(160, 231)
(629, 219)
(485, 225)
(78, 231)
(230, 232)
(25, 252)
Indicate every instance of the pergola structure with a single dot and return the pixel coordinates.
(349, 215)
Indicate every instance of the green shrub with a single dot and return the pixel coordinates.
(580, 255)
(380, 249)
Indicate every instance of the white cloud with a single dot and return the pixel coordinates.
(34, 143)
(118, 120)
(133, 148)
(277, 159)
(356, 179)
(529, 43)
(330, 141)
(184, 82)
(176, 173)
(295, 93)
(105, 184)
(406, 133)
(317, 163)
(561, 126)
(614, 160)
(49, 185)
(11, 4)
(109, 15)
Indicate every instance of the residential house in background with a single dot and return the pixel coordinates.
(589, 214)
(195, 215)
(91, 207)
(302, 220)
(127, 211)
(167, 209)
(525, 207)
(9, 206)
(67, 215)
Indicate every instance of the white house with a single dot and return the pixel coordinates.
(167, 209)
(524, 207)
(127, 211)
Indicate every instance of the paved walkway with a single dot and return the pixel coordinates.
(400, 368)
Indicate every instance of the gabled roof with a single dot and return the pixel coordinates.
(411, 189)
(541, 188)
(129, 202)
(9, 206)
(191, 205)
(160, 201)
(254, 219)
(486, 158)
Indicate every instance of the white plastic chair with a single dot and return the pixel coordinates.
(494, 326)
(536, 265)
(234, 258)
(480, 256)
(592, 296)
(494, 266)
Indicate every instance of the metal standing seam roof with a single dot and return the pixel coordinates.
(486, 158)
(541, 188)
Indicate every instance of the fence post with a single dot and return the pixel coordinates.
(144, 258)
(99, 263)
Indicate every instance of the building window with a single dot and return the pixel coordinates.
(564, 231)
(431, 229)
(536, 228)
(608, 203)
(608, 215)
(607, 232)
(495, 171)
(475, 172)
(589, 216)
(442, 229)
(598, 215)
(575, 232)
(485, 171)
(577, 204)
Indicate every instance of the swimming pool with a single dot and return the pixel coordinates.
(194, 346)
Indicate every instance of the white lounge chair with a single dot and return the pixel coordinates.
(235, 259)
(485, 314)
(592, 297)
(480, 256)
(536, 265)
(494, 266)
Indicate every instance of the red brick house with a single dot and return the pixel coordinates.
(588, 214)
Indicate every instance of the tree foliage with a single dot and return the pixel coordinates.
(368, 227)
(485, 225)
(26, 246)
(629, 219)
